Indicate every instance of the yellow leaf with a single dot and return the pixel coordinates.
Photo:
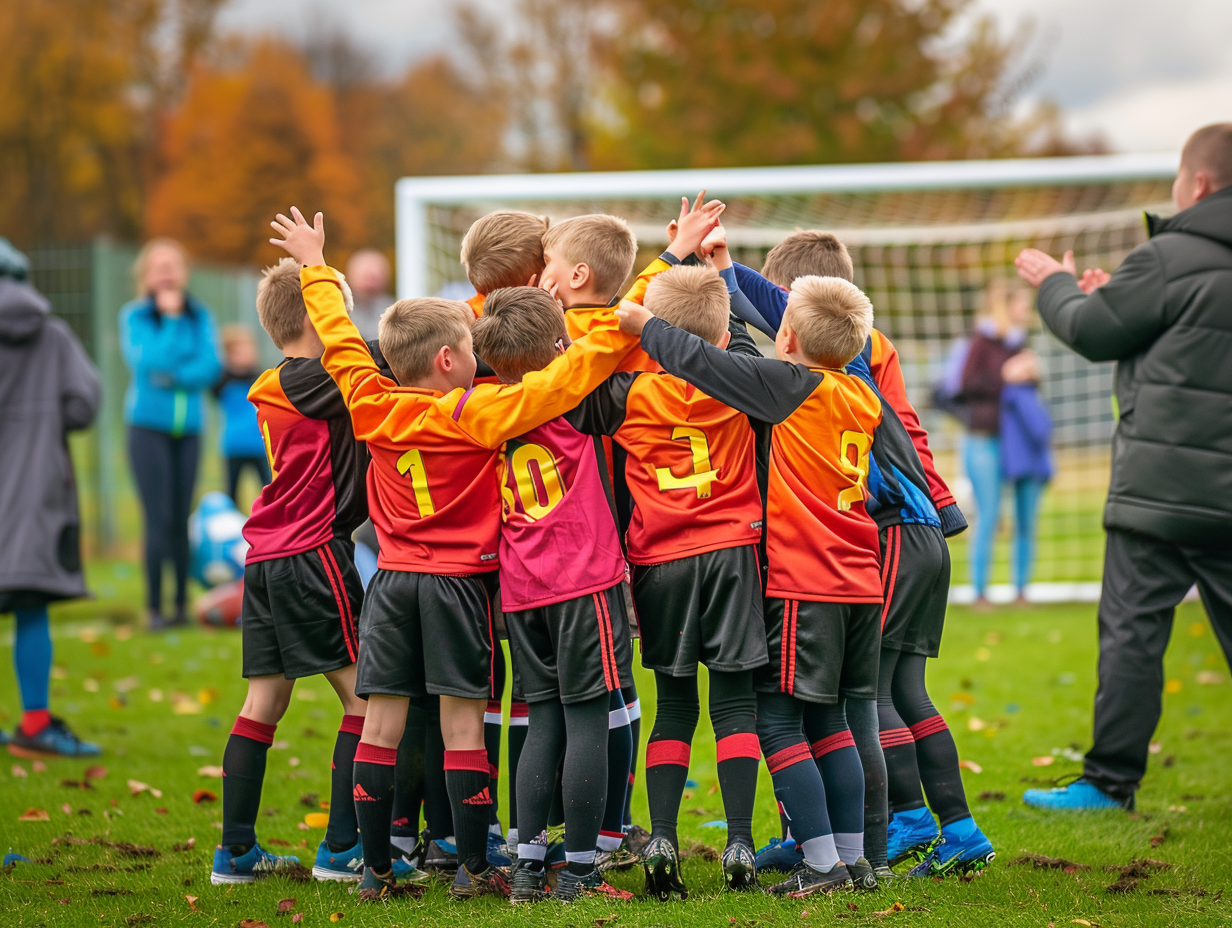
(336, 917)
(316, 819)
(34, 815)
(1173, 686)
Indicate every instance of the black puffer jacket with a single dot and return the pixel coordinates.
(1166, 317)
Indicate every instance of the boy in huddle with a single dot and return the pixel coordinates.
(503, 249)
(917, 743)
(436, 510)
(302, 593)
(822, 612)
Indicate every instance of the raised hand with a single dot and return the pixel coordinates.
(305, 243)
(1092, 279)
(714, 248)
(633, 317)
(694, 224)
(1035, 267)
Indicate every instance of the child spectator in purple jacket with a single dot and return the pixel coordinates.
(1026, 454)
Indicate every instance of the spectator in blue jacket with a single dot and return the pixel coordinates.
(243, 445)
(167, 339)
(1026, 456)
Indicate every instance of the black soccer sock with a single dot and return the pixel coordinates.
(934, 745)
(668, 751)
(634, 707)
(619, 761)
(374, 802)
(519, 718)
(538, 769)
(467, 778)
(897, 746)
(409, 774)
(556, 814)
(862, 717)
(438, 815)
(733, 716)
(342, 832)
(834, 750)
(243, 771)
(492, 720)
(584, 770)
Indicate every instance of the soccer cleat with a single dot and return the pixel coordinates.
(406, 872)
(496, 850)
(255, 863)
(782, 856)
(805, 881)
(441, 856)
(961, 850)
(620, 859)
(491, 881)
(555, 859)
(1080, 796)
(55, 740)
(886, 875)
(527, 884)
(411, 849)
(662, 865)
(375, 888)
(911, 835)
(569, 886)
(740, 867)
(863, 878)
(343, 866)
(4, 737)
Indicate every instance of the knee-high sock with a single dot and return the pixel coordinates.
(634, 706)
(667, 751)
(342, 832)
(538, 770)
(32, 663)
(898, 747)
(934, 745)
(862, 717)
(243, 771)
(467, 778)
(437, 811)
(409, 775)
(797, 781)
(733, 716)
(374, 802)
(834, 750)
(492, 731)
(583, 778)
(619, 749)
(519, 717)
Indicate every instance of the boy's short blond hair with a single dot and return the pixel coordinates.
(603, 243)
(411, 332)
(831, 317)
(807, 253)
(690, 297)
(519, 331)
(503, 249)
(280, 302)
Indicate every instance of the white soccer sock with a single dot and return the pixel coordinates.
(511, 837)
(535, 851)
(609, 843)
(495, 829)
(580, 857)
(820, 853)
(850, 847)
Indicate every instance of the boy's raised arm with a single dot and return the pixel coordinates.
(770, 300)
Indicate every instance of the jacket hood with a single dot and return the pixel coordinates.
(1210, 217)
(23, 312)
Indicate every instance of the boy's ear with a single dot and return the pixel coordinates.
(580, 276)
(725, 340)
(444, 359)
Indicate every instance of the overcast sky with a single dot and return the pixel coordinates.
(1143, 73)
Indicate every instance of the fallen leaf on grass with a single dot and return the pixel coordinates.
(204, 795)
(210, 770)
(1040, 862)
(336, 917)
(309, 799)
(1084, 923)
(110, 891)
(297, 918)
(19, 771)
(253, 923)
(66, 809)
(896, 907)
(97, 772)
(316, 820)
(970, 765)
(192, 902)
(136, 788)
(278, 841)
(38, 767)
(1046, 760)
(1157, 840)
(992, 796)
(185, 845)
(697, 849)
(34, 815)
(285, 906)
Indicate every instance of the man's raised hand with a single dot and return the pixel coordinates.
(305, 243)
(1035, 267)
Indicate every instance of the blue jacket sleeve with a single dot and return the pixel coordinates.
(768, 299)
(199, 367)
(741, 307)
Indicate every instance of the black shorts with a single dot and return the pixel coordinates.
(572, 651)
(915, 577)
(299, 615)
(702, 609)
(821, 652)
(424, 634)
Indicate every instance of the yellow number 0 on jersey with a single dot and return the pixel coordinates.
(412, 462)
(858, 472)
(553, 486)
(701, 476)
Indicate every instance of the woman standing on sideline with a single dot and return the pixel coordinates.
(168, 342)
(1026, 456)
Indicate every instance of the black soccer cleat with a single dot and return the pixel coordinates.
(863, 877)
(528, 884)
(805, 881)
(662, 864)
(740, 868)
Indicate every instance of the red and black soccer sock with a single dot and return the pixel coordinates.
(243, 772)
(586, 763)
(862, 719)
(619, 762)
(468, 779)
(538, 772)
(633, 705)
(438, 814)
(342, 832)
(492, 720)
(409, 775)
(733, 716)
(797, 781)
(935, 750)
(838, 761)
(668, 750)
(373, 795)
(519, 718)
(897, 745)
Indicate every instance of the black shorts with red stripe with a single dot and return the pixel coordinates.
(915, 579)
(821, 652)
(427, 634)
(574, 650)
(300, 613)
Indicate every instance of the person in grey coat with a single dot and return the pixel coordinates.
(1165, 317)
(48, 387)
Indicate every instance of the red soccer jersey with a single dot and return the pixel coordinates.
(581, 319)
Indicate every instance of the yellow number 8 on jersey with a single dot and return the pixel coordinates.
(857, 470)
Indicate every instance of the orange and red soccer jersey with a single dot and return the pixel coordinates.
(433, 490)
(821, 543)
(581, 319)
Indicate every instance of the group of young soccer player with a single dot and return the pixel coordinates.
(582, 468)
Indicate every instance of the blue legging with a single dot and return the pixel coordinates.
(1027, 493)
(32, 657)
(982, 460)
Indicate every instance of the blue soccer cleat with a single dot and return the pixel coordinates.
(1080, 796)
(55, 740)
(782, 856)
(911, 835)
(496, 850)
(406, 873)
(341, 866)
(962, 849)
(248, 867)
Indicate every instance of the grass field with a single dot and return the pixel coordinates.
(1016, 685)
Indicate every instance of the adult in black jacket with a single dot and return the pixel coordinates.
(1166, 317)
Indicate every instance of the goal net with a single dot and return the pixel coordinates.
(925, 240)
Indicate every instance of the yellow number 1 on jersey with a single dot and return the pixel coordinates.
(269, 448)
(701, 476)
(857, 470)
(412, 462)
